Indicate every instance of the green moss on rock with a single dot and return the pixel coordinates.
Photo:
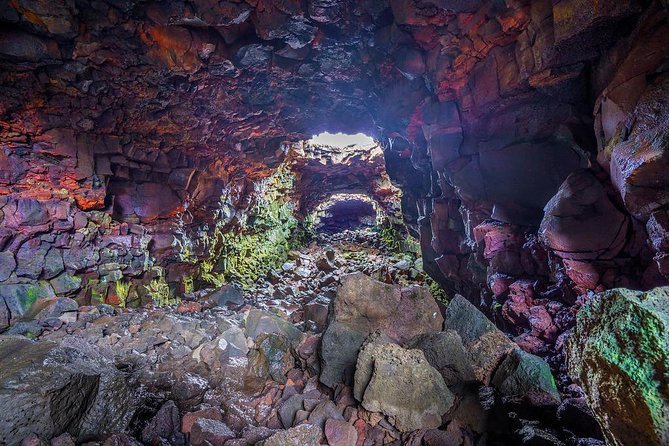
(619, 353)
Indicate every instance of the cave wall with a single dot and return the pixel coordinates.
(528, 137)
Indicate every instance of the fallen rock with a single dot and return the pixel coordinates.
(619, 354)
(402, 386)
(262, 322)
(325, 410)
(446, 353)
(206, 432)
(485, 344)
(60, 389)
(164, 425)
(581, 223)
(190, 418)
(525, 375)
(363, 306)
(303, 435)
(231, 294)
(340, 433)
(19, 298)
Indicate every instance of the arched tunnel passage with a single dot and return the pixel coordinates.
(346, 211)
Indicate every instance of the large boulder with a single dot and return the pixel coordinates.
(619, 353)
(363, 306)
(485, 344)
(581, 223)
(401, 384)
(59, 389)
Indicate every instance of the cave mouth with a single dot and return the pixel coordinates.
(342, 140)
(347, 213)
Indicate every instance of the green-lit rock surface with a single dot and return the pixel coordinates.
(619, 354)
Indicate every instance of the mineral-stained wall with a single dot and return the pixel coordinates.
(530, 137)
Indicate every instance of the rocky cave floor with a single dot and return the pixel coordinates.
(233, 368)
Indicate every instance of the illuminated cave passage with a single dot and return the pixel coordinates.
(348, 213)
(392, 222)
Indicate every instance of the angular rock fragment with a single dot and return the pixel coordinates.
(619, 353)
(485, 344)
(403, 386)
(303, 435)
(363, 306)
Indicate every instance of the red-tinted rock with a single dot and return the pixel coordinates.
(340, 433)
(190, 418)
(581, 222)
(189, 307)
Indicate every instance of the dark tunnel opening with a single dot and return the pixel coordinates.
(348, 214)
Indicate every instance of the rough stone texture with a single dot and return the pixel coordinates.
(210, 432)
(446, 353)
(57, 389)
(303, 435)
(363, 306)
(619, 354)
(340, 433)
(485, 344)
(522, 374)
(581, 222)
(262, 322)
(403, 386)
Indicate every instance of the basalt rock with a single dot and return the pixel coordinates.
(401, 384)
(60, 389)
(363, 306)
(618, 353)
(485, 344)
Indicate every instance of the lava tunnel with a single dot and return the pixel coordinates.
(342, 222)
(347, 213)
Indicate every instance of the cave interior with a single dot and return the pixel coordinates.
(334, 222)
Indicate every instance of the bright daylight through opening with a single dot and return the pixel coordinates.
(342, 140)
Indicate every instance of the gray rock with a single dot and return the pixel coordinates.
(54, 307)
(65, 283)
(446, 353)
(302, 435)
(231, 294)
(20, 297)
(207, 432)
(323, 411)
(404, 387)
(280, 357)
(4, 315)
(486, 345)
(30, 259)
(59, 389)
(525, 375)
(289, 408)
(260, 322)
(165, 424)
(53, 264)
(7, 265)
(363, 306)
